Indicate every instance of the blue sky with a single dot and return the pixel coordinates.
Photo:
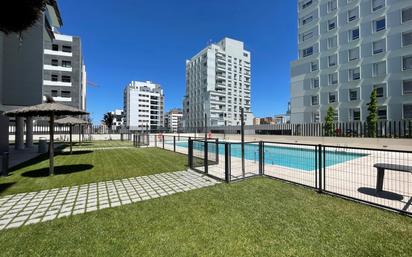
(150, 40)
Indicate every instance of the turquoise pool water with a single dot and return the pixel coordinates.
(292, 157)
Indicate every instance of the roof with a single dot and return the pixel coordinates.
(70, 121)
(45, 109)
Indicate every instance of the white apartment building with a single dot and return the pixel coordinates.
(118, 119)
(144, 106)
(173, 120)
(218, 81)
(347, 48)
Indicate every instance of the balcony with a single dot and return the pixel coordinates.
(56, 83)
(59, 53)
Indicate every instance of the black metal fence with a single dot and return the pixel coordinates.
(378, 177)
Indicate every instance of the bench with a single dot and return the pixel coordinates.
(381, 167)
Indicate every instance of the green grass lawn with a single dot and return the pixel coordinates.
(90, 166)
(101, 143)
(257, 217)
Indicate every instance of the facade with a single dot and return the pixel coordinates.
(173, 120)
(21, 72)
(144, 106)
(218, 82)
(118, 119)
(347, 48)
(64, 70)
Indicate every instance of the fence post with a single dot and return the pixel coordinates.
(217, 150)
(206, 157)
(174, 143)
(320, 168)
(139, 140)
(5, 165)
(261, 152)
(163, 141)
(190, 153)
(227, 162)
(155, 139)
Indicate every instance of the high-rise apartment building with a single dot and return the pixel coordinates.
(173, 120)
(64, 70)
(218, 81)
(144, 106)
(347, 48)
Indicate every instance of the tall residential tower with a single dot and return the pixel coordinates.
(347, 48)
(218, 85)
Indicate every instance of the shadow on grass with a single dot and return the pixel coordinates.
(382, 194)
(58, 170)
(4, 186)
(76, 152)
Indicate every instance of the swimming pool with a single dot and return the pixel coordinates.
(287, 156)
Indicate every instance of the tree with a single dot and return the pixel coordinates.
(108, 120)
(372, 118)
(329, 121)
(18, 15)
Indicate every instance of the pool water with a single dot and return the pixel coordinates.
(292, 157)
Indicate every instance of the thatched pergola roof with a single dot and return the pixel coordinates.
(45, 109)
(70, 121)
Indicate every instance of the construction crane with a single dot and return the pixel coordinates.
(92, 84)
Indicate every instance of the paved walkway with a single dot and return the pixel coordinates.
(33, 207)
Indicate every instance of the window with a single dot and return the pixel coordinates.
(314, 66)
(332, 60)
(382, 113)
(355, 114)
(407, 38)
(307, 20)
(377, 4)
(380, 90)
(353, 95)
(333, 78)
(332, 42)
(315, 117)
(55, 47)
(379, 25)
(54, 62)
(353, 14)
(67, 49)
(354, 34)
(407, 111)
(306, 4)
(354, 74)
(66, 79)
(379, 46)
(54, 93)
(67, 64)
(314, 82)
(332, 5)
(379, 69)
(331, 24)
(407, 15)
(308, 51)
(332, 97)
(315, 100)
(54, 77)
(353, 54)
(407, 87)
(307, 35)
(407, 62)
(66, 94)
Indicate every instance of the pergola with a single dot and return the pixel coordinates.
(71, 121)
(49, 109)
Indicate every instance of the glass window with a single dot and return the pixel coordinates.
(66, 79)
(407, 38)
(332, 97)
(332, 24)
(407, 111)
(307, 35)
(353, 54)
(353, 95)
(307, 20)
(332, 5)
(54, 77)
(333, 78)
(65, 93)
(67, 64)
(332, 60)
(54, 93)
(315, 83)
(379, 24)
(379, 46)
(308, 51)
(55, 47)
(354, 74)
(332, 42)
(377, 4)
(67, 49)
(380, 90)
(315, 100)
(353, 14)
(407, 87)
(54, 62)
(314, 66)
(382, 113)
(306, 4)
(407, 14)
(407, 62)
(354, 34)
(315, 117)
(379, 69)
(355, 114)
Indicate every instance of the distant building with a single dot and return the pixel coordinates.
(277, 119)
(144, 106)
(218, 82)
(346, 50)
(173, 120)
(118, 119)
